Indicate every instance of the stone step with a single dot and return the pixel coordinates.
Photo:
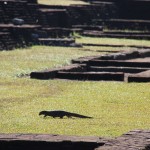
(48, 10)
(124, 24)
(51, 73)
(102, 2)
(47, 141)
(19, 9)
(58, 32)
(56, 41)
(139, 77)
(94, 76)
(88, 27)
(117, 69)
(119, 63)
(117, 45)
(117, 35)
(127, 32)
(17, 36)
(83, 14)
(32, 1)
(59, 17)
(7, 41)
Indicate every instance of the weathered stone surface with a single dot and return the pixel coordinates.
(94, 76)
(138, 77)
(117, 69)
(46, 142)
(52, 73)
(56, 41)
(119, 63)
(83, 60)
(129, 66)
(115, 35)
(133, 140)
(88, 27)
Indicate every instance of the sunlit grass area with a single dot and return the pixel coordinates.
(61, 2)
(104, 49)
(23, 61)
(116, 107)
(114, 41)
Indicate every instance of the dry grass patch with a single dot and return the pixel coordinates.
(61, 2)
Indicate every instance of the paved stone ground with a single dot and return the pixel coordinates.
(133, 140)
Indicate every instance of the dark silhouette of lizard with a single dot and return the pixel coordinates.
(61, 114)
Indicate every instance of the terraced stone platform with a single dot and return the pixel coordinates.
(133, 140)
(89, 20)
(133, 24)
(119, 34)
(111, 67)
(7, 42)
(56, 41)
(53, 17)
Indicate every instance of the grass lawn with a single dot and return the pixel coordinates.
(116, 107)
(114, 41)
(61, 2)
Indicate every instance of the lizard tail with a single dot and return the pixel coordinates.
(80, 116)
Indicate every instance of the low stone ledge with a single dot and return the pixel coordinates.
(91, 76)
(133, 140)
(52, 73)
(47, 141)
(101, 34)
(113, 67)
(48, 138)
(125, 55)
(89, 27)
(56, 41)
(138, 77)
(83, 60)
(117, 69)
(119, 63)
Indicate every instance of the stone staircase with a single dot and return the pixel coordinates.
(118, 34)
(35, 19)
(52, 17)
(129, 15)
(128, 66)
(89, 20)
(129, 10)
(16, 9)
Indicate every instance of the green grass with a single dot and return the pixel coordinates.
(61, 2)
(114, 41)
(23, 61)
(116, 107)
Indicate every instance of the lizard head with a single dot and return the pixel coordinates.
(42, 113)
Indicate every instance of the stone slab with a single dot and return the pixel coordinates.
(119, 63)
(51, 73)
(91, 76)
(138, 77)
(133, 140)
(47, 142)
(117, 69)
